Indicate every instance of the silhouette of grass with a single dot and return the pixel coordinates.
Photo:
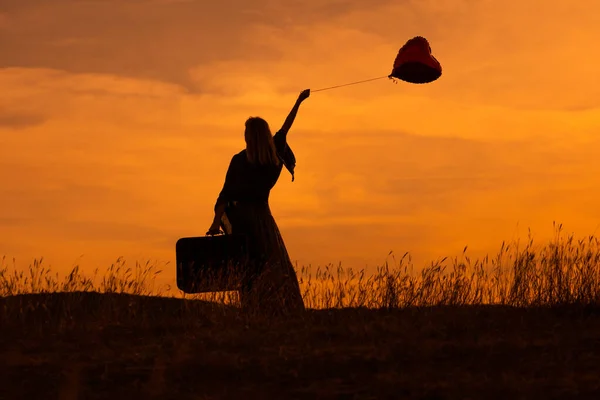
(523, 324)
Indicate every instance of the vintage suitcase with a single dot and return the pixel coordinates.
(210, 263)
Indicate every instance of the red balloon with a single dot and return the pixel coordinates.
(415, 63)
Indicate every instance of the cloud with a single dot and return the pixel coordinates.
(487, 59)
(18, 120)
(4, 21)
(146, 39)
(12, 221)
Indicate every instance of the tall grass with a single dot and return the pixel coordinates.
(563, 271)
(118, 278)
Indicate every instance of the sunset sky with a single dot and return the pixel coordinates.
(118, 120)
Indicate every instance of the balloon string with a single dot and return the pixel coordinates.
(348, 84)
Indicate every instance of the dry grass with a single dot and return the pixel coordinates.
(523, 324)
(564, 271)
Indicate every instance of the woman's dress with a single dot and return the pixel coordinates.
(270, 284)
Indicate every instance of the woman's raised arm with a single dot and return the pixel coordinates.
(292, 115)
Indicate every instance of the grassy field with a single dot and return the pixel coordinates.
(523, 325)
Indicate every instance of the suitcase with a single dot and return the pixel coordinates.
(210, 263)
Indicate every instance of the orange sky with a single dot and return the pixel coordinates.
(118, 120)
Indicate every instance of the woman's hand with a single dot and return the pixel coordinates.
(214, 229)
(305, 94)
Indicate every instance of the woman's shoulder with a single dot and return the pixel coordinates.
(238, 160)
(240, 156)
(280, 134)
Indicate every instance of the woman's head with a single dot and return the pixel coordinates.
(260, 147)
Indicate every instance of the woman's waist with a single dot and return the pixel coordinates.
(250, 198)
(245, 202)
(249, 201)
(248, 207)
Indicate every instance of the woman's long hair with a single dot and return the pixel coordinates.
(260, 148)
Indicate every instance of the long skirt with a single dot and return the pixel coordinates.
(269, 283)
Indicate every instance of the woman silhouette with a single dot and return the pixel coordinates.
(270, 283)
